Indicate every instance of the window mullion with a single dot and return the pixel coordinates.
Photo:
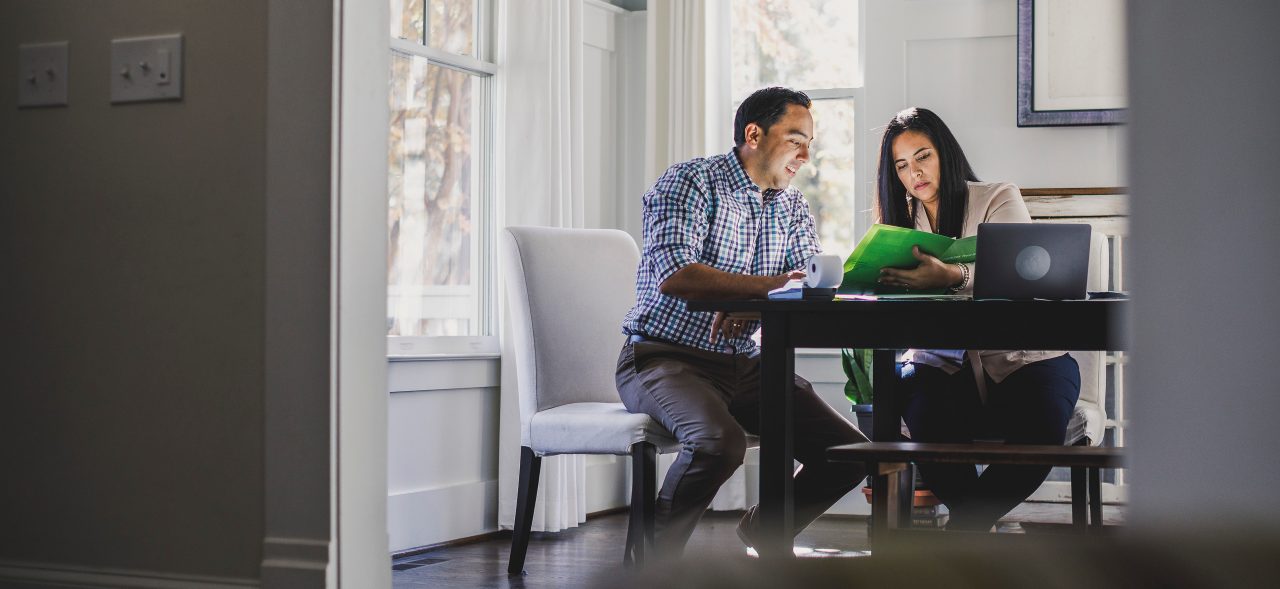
(830, 93)
(453, 61)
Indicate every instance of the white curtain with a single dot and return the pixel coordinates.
(541, 182)
(689, 107)
(676, 83)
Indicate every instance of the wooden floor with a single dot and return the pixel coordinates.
(589, 555)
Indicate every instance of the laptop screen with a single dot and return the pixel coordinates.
(1031, 261)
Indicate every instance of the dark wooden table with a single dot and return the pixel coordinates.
(887, 326)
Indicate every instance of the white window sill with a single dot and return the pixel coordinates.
(443, 357)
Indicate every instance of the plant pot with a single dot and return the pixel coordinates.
(864, 416)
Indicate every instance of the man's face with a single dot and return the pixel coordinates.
(784, 148)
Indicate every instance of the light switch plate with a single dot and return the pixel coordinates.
(42, 74)
(146, 68)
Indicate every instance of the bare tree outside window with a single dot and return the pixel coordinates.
(448, 25)
(434, 277)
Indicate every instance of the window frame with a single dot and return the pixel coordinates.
(863, 207)
(484, 217)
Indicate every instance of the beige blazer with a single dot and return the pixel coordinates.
(989, 202)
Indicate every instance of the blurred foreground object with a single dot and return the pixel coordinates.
(1174, 557)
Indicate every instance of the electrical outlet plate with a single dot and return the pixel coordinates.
(146, 68)
(42, 74)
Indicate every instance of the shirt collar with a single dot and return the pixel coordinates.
(739, 180)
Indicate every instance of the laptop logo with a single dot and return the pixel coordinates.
(1032, 263)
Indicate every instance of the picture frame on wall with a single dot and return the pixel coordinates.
(1071, 63)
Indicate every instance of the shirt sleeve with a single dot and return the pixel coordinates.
(802, 242)
(675, 222)
(1006, 206)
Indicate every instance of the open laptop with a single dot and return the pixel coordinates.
(1031, 261)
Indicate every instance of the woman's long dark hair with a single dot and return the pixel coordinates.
(953, 171)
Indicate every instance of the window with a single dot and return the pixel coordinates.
(809, 45)
(440, 216)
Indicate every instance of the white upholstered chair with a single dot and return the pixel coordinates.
(1088, 423)
(1089, 420)
(569, 290)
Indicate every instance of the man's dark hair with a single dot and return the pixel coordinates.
(764, 107)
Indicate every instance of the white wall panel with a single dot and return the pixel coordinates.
(600, 134)
(441, 438)
(439, 514)
(958, 58)
(971, 83)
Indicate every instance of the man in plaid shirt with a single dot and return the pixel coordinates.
(726, 227)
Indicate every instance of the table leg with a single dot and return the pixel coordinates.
(906, 494)
(777, 466)
(896, 497)
(1079, 499)
(1095, 500)
(884, 407)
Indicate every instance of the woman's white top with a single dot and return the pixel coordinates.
(989, 202)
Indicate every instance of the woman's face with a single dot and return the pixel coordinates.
(916, 160)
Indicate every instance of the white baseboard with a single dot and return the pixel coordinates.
(295, 562)
(441, 514)
(26, 574)
(607, 486)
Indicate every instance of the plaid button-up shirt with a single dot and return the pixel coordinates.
(708, 211)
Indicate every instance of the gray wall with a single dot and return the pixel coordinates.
(1206, 229)
(133, 267)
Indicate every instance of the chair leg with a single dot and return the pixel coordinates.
(1079, 517)
(650, 492)
(530, 464)
(640, 526)
(1095, 499)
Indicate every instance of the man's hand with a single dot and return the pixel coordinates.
(930, 274)
(727, 327)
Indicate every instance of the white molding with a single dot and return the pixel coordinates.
(439, 514)
(831, 93)
(295, 562)
(462, 63)
(419, 346)
(298, 423)
(602, 5)
(444, 374)
(358, 296)
(444, 357)
(295, 553)
(14, 573)
(599, 28)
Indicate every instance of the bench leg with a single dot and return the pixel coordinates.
(1079, 499)
(879, 502)
(886, 508)
(1095, 499)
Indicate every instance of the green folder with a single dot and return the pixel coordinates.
(890, 246)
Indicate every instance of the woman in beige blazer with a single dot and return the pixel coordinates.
(1019, 396)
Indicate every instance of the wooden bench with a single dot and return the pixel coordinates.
(890, 458)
